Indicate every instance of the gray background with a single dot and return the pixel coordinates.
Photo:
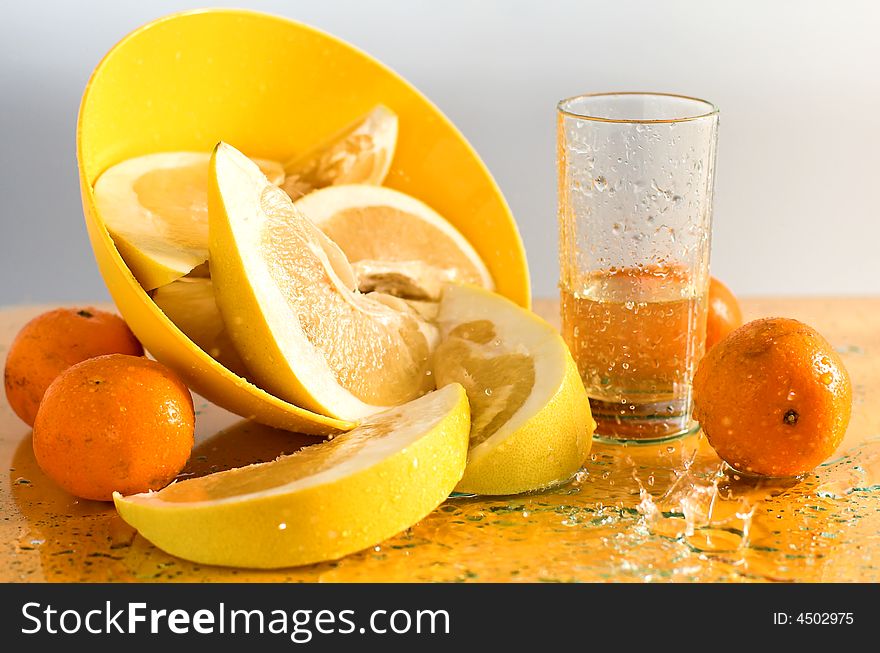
(798, 83)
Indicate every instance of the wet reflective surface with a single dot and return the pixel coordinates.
(662, 512)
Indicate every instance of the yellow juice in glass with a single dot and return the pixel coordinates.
(637, 335)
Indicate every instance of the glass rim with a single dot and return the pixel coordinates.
(561, 107)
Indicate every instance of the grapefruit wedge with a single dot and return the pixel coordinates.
(396, 243)
(530, 415)
(156, 209)
(289, 300)
(321, 503)
(360, 153)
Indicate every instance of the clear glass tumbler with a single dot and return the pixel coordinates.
(636, 173)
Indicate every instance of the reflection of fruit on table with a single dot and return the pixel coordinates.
(655, 512)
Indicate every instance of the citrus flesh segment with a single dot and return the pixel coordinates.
(321, 503)
(189, 303)
(287, 297)
(531, 421)
(360, 153)
(156, 209)
(396, 243)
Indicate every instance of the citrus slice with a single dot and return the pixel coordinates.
(288, 298)
(360, 153)
(321, 503)
(396, 243)
(156, 209)
(189, 303)
(531, 421)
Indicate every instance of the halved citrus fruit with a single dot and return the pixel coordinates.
(531, 421)
(156, 209)
(321, 503)
(360, 153)
(288, 297)
(396, 243)
(189, 303)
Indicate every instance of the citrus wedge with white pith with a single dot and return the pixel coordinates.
(321, 503)
(156, 210)
(531, 425)
(396, 243)
(360, 153)
(189, 303)
(288, 298)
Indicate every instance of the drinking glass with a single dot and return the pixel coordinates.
(636, 173)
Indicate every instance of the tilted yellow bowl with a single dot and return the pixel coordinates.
(272, 88)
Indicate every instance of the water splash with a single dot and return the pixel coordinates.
(858, 469)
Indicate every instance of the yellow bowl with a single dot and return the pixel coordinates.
(271, 87)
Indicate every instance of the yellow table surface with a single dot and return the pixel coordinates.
(636, 513)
